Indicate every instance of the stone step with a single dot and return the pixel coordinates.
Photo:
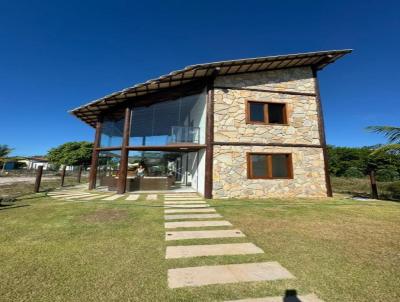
(78, 196)
(93, 196)
(302, 298)
(184, 235)
(206, 210)
(231, 273)
(191, 216)
(196, 224)
(113, 197)
(151, 197)
(188, 251)
(133, 197)
(185, 202)
(177, 206)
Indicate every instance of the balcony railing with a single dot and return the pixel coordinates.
(181, 134)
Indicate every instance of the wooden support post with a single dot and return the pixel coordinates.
(123, 164)
(208, 177)
(95, 156)
(321, 128)
(63, 175)
(39, 174)
(78, 178)
(374, 188)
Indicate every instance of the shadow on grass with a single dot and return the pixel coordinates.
(291, 296)
(12, 206)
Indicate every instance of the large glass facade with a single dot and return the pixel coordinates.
(161, 170)
(171, 122)
(108, 169)
(176, 122)
(112, 129)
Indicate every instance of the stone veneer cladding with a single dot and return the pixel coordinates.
(230, 163)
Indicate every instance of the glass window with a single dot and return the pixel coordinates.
(112, 129)
(269, 165)
(280, 165)
(170, 122)
(257, 112)
(108, 169)
(276, 113)
(266, 113)
(259, 166)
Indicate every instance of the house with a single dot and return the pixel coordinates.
(248, 128)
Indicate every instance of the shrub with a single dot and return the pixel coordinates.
(393, 190)
(387, 174)
(353, 172)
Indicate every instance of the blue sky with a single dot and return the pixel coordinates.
(57, 55)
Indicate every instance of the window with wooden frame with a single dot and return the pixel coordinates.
(269, 166)
(266, 113)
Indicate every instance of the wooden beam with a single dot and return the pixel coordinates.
(267, 90)
(123, 163)
(266, 144)
(95, 156)
(321, 129)
(208, 178)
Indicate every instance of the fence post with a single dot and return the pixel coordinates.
(374, 188)
(39, 173)
(63, 175)
(79, 174)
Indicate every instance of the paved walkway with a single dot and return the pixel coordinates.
(188, 210)
(197, 216)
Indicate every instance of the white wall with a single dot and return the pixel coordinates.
(198, 114)
(197, 165)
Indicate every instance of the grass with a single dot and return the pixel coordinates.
(23, 188)
(342, 250)
(362, 187)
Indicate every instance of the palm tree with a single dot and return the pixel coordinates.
(4, 151)
(393, 136)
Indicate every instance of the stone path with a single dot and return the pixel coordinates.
(188, 251)
(188, 210)
(189, 217)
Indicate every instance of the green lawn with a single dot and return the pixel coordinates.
(342, 250)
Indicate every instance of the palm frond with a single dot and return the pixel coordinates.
(392, 148)
(391, 133)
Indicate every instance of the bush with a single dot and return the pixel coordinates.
(387, 174)
(393, 190)
(6, 199)
(353, 172)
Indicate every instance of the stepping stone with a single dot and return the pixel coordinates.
(65, 193)
(183, 198)
(196, 224)
(151, 197)
(113, 197)
(183, 235)
(191, 216)
(133, 197)
(172, 211)
(93, 197)
(231, 273)
(179, 199)
(184, 202)
(173, 206)
(188, 251)
(78, 196)
(305, 298)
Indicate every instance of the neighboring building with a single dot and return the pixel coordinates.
(246, 128)
(34, 162)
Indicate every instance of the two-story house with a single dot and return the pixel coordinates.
(249, 128)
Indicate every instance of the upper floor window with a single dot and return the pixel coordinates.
(266, 113)
(269, 166)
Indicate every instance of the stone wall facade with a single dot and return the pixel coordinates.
(230, 161)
